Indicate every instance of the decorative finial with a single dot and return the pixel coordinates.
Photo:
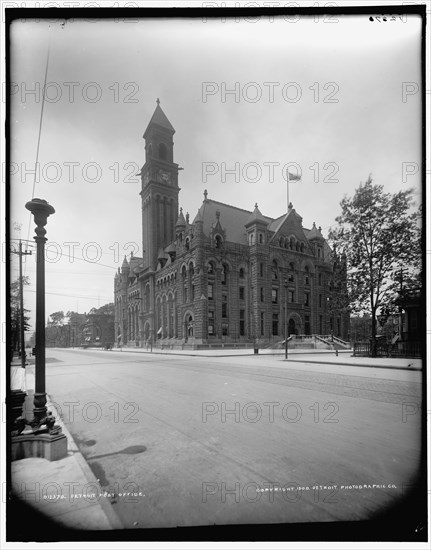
(320, 229)
(158, 101)
(181, 209)
(218, 214)
(255, 205)
(205, 194)
(187, 217)
(290, 206)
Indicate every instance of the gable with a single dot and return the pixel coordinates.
(291, 225)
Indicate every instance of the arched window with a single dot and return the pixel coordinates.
(241, 273)
(224, 273)
(187, 244)
(302, 247)
(292, 243)
(274, 270)
(218, 241)
(307, 275)
(251, 239)
(291, 272)
(191, 270)
(320, 279)
(184, 272)
(260, 238)
(163, 152)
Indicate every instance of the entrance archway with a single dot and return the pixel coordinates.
(291, 327)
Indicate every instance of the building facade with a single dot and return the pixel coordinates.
(227, 275)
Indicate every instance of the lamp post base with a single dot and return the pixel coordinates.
(39, 445)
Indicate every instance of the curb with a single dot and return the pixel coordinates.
(353, 364)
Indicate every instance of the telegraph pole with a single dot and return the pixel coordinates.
(21, 301)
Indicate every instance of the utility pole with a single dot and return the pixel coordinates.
(21, 301)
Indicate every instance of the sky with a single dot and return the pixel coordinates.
(337, 100)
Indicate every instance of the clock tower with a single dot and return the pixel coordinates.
(160, 189)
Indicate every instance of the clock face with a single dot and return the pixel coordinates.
(165, 176)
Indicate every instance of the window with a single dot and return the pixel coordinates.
(185, 294)
(261, 269)
(210, 323)
(307, 275)
(242, 322)
(260, 238)
(210, 268)
(291, 296)
(241, 293)
(320, 279)
(274, 270)
(302, 247)
(262, 294)
(241, 273)
(210, 292)
(251, 239)
(262, 323)
(307, 299)
(320, 300)
(187, 244)
(224, 306)
(163, 152)
(218, 241)
(224, 329)
(274, 296)
(319, 252)
(192, 292)
(224, 274)
(275, 324)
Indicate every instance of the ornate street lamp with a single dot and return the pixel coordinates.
(285, 319)
(45, 440)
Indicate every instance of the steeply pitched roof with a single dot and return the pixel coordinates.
(256, 217)
(232, 219)
(160, 119)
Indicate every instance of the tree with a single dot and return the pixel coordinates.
(379, 235)
(15, 312)
(57, 318)
(107, 309)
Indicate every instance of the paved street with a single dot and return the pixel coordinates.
(229, 440)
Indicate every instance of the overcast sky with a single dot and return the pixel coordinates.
(335, 104)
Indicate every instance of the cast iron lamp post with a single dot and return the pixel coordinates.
(45, 439)
(40, 210)
(285, 319)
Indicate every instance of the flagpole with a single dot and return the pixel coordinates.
(287, 191)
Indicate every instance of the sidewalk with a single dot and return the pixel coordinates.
(65, 491)
(329, 357)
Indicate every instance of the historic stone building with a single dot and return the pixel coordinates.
(224, 276)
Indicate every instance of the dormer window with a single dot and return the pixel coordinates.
(218, 241)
